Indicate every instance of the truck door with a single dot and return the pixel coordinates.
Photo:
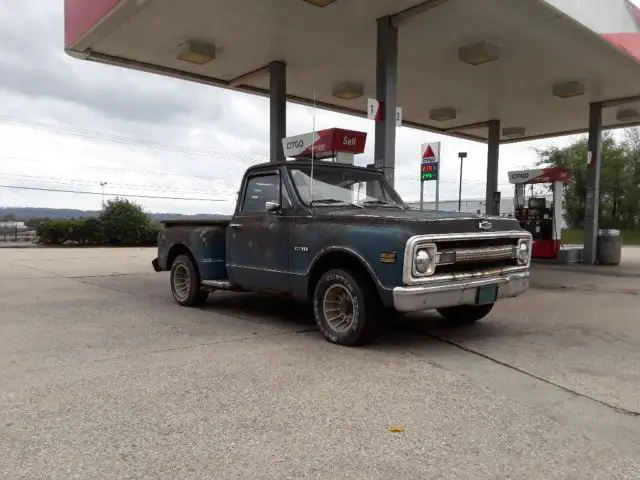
(258, 236)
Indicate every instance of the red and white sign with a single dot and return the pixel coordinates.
(541, 175)
(375, 111)
(430, 152)
(324, 143)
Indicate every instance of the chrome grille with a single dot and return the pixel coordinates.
(461, 256)
(475, 255)
(465, 255)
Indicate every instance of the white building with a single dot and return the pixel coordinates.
(12, 226)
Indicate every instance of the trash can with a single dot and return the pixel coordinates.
(609, 250)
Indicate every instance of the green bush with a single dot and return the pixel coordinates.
(54, 232)
(60, 231)
(124, 222)
(121, 223)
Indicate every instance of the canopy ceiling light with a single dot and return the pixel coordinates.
(513, 132)
(197, 52)
(478, 53)
(443, 114)
(628, 115)
(320, 3)
(569, 89)
(348, 91)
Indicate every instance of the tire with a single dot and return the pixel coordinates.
(185, 283)
(466, 314)
(360, 302)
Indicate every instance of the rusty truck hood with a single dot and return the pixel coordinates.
(419, 222)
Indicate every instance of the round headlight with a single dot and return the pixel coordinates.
(422, 261)
(523, 252)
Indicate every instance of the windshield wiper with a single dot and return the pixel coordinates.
(382, 202)
(334, 200)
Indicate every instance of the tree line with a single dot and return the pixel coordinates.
(619, 181)
(121, 222)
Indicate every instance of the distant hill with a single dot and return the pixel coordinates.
(27, 213)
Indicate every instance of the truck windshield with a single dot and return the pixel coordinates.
(348, 186)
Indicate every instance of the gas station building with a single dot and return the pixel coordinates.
(494, 71)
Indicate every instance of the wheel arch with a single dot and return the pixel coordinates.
(179, 249)
(343, 258)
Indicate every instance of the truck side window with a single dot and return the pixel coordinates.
(262, 189)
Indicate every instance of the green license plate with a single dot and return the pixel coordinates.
(488, 294)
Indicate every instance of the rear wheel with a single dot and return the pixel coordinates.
(346, 307)
(185, 283)
(466, 314)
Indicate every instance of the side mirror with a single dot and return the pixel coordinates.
(271, 206)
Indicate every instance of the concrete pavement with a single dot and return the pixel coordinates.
(103, 376)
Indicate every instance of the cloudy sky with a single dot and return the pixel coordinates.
(67, 124)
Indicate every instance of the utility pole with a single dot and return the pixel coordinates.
(102, 184)
(461, 156)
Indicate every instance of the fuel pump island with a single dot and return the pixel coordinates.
(543, 221)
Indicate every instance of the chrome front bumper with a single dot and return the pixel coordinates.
(452, 293)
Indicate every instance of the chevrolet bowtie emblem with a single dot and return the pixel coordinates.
(484, 225)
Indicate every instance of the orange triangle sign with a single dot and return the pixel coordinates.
(428, 153)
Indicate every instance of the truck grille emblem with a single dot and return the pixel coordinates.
(484, 225)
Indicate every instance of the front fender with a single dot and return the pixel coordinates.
(349, 251)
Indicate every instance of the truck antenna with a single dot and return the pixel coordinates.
(313, 149)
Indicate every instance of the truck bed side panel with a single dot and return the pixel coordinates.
(207, 244)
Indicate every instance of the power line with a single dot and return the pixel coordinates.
(126, 170)
(42, 189)
(70, 181)
(109, 137)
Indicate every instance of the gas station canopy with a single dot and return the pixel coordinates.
(460, 63)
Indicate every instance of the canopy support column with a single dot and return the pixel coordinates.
(493, 153)
(592, 194)
(387, 95)
(277, 110)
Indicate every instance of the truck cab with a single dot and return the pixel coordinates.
(340, 237)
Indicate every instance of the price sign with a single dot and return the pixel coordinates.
(429, 171)
(430, 161)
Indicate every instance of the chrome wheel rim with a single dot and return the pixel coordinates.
(181, 281)
(338, 307)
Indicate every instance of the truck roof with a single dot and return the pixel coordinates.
(305, 163)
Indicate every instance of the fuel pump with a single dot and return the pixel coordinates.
(543, 219)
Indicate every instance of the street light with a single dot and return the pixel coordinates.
(102, 184)
(461, 156)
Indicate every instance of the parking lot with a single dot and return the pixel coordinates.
(102, 375)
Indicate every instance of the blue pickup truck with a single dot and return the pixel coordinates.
(341, 237)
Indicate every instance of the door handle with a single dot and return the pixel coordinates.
(236, 225)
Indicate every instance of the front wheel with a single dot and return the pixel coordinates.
(345, 307)
(466, 314)
(185, 283)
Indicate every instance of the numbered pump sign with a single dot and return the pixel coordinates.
(375, 111)
(430, 162)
